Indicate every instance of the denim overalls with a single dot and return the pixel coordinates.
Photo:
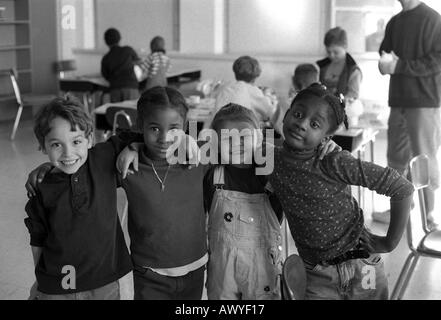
(245, 245)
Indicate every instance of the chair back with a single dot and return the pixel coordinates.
(121, 118)
(293, 278)
(419, 174)
(63, 66)
(9, 86)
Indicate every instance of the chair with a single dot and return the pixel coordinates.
(121, 118)
(293, 278)
(430, 244)
(11, 90)
(124, 119)
(63, 66)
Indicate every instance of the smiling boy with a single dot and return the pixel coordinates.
(73, 219)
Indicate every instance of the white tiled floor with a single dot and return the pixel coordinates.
(16, 268)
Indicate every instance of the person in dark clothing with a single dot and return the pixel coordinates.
(117, 68)
(411, 54)
(76, 238)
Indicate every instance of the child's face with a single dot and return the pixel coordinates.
(67, 149)
(156, 126)
(306, 124)
(336, 52)
(240, 148)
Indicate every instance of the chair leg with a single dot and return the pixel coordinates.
(403, 274)
(409, 275)
(17, 120)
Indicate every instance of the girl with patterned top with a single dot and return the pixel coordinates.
(341, 256)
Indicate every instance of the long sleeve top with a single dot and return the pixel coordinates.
(74, 219)
(415, 37)
(324, 218)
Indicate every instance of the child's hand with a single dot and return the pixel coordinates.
(373, 243)
(327, 148)
(35, 177)
(126, 158)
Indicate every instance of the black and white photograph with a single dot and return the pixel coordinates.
(220, 155)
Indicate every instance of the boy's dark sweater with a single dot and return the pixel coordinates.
(74, 219)
(117, 67)
(415, 37)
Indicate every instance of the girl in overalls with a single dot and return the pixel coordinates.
(245, 245)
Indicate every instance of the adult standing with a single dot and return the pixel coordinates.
(411, 54)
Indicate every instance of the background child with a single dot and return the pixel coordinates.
(117, 68)
(339, 72)
(243, 229)
(244, 92)
(73, 219)
(156, 65)
(325, 220)
(166, 219)
(304, 75)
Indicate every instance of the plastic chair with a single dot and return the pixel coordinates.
(11, 90)
(430, 244)
(121, 118)
(293, 278)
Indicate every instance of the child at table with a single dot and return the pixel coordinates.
(244, 92)
(117, 68)
(73, 219)
(244, 218)
(325, 220)
(156, 65)
(305, 74)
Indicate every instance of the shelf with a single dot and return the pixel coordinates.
(14, 22)
(14, 47)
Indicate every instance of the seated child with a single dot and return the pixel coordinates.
(304, 75)
(244, 92)
(73, 219)
(243, 227)
(156, 65)
(325, 220)
(166, 219)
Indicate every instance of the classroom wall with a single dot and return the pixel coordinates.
(138, 21)
(281, 36)
(277, 26)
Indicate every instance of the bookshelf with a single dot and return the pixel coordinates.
(15, 40)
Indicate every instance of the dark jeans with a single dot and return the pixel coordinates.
(149, 285)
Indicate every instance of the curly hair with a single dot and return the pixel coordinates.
(68, 108)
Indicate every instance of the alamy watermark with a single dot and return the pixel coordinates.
(231, 147)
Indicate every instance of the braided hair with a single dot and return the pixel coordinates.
(336, 103)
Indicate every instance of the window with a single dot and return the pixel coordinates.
(364, 21)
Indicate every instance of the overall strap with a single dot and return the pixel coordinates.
(218, 177)
(269, 188)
